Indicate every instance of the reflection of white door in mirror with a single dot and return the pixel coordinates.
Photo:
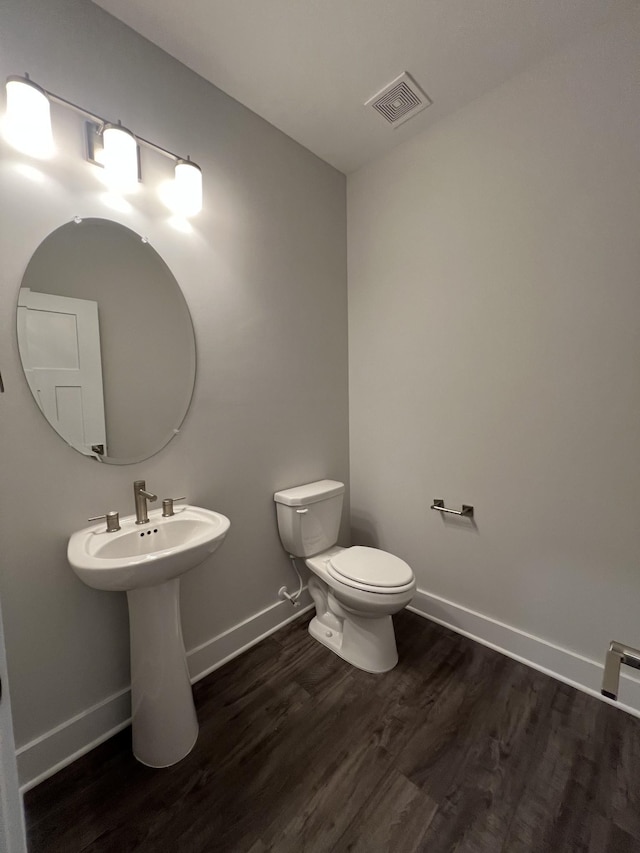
(59, 340)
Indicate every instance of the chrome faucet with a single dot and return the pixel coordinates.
(141, 496)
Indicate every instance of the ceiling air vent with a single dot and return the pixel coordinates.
(400, 100)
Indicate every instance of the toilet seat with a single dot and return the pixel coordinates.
(370, 570)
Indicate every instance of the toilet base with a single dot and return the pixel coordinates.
(368, 644)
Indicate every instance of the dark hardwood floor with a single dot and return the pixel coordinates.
(457, 749)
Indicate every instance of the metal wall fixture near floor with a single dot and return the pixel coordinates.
(617, 655)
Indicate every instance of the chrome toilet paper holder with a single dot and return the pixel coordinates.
(465, 512)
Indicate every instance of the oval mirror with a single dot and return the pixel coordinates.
(106, 341)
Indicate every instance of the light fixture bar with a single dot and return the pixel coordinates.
(100, 121)
(158, 148)
(58, 99)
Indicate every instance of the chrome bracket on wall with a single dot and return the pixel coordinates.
(465, 512)
(617, 655)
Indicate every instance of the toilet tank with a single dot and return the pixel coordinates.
(309, 516)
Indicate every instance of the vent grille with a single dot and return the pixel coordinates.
(400, 100)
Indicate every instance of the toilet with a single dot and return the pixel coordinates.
(355, 590)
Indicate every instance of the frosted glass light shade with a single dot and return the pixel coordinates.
(28, 118)
(187, 190)
(120, 158)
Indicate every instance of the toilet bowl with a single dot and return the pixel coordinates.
(353, 617)
(355, 590)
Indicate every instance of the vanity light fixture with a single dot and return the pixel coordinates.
(28, 118)
(109, 145)
(120, 158)
(187, 188)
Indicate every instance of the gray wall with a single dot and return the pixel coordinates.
(264, 274)
(494, 334)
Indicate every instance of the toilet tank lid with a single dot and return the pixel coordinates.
(309, 493)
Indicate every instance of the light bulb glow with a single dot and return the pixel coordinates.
(180, 224)
(120, 158)
(187, 189)
(31, 172)
(28, 118)
(116, 202)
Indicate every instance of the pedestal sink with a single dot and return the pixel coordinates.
(146, 562)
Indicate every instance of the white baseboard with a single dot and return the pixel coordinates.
(45, 755)
(565, 665)
(215, 653)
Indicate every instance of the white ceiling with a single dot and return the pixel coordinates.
(308, 66)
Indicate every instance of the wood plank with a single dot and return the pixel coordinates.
(458, 748)
(394, 818)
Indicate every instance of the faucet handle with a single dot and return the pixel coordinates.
(167, 506)
(112, 518)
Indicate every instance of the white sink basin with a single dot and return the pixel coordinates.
(146, 561)
(140, 555)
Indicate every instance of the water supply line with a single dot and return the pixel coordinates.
(283, 592)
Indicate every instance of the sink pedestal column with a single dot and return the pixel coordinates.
(164, 722)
